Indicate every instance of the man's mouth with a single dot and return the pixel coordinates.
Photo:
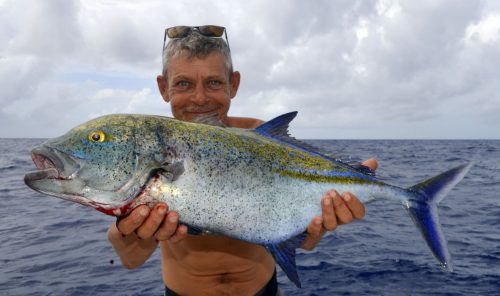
(203, 112)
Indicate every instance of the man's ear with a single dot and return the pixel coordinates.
(235, 83)
(163, 87)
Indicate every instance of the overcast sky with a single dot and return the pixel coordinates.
(353, 69)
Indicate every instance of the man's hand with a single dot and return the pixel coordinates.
(337, 210)
(157, 222)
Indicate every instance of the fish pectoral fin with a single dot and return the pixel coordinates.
(173, 171)
(284, 254)
(193, 230)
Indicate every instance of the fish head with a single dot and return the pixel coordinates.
(103, 163)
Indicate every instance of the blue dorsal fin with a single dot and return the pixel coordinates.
(284, 254)
(277, 128)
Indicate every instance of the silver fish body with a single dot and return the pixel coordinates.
(251, 203)
(261, 185)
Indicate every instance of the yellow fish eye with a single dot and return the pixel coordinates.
(97, 136)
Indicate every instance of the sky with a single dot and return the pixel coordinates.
(352, 69)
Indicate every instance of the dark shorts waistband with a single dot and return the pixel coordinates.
(270, 289)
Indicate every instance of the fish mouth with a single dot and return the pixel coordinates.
(52, 164)
(58, 175)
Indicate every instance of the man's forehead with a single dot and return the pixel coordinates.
(183, 63)
(185, 57)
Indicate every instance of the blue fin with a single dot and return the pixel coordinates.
(422, 207)
(284, 254)
(277, 129)
(194, 230)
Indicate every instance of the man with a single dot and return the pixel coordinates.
(198, 81)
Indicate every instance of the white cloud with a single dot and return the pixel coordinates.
(388, 8)
(487, 30)
(351, 68)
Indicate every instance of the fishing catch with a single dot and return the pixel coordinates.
(260, 185)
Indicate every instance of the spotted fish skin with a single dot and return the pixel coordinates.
(261, 185)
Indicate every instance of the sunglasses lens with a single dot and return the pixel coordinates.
(178, 32)
(211, 31)
(184, 31)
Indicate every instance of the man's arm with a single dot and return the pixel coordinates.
(136, 236)
(337, 209)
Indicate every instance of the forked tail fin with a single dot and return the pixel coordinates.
(422, 207)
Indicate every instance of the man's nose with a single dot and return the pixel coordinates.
(199, 96)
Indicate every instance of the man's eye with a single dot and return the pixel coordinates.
(215, 83)
(182, 84)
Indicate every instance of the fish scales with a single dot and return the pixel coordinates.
(260, 185)
(244, 177)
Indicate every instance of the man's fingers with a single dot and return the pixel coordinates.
(342, 212)
(328, 213)
(180, 234)
(135, 219)
(315, 231)
(355, 206)
(154, 220)
(169, 227)
(371, 163)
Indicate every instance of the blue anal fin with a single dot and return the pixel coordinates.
(284, 254)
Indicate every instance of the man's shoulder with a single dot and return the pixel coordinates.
(243, 122)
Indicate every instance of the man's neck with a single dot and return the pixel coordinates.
(242, 122)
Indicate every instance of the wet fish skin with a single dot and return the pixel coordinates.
(260, 185)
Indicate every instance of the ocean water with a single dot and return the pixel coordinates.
(54, 247)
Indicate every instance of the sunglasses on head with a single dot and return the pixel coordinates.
(178, 32)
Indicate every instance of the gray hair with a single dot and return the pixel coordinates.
(196, 45)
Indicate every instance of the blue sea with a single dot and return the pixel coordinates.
(54, 247)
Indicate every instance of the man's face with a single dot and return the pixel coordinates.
(198, 87)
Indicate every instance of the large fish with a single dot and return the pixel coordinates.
(260, 186)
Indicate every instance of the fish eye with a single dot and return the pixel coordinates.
(97, 136)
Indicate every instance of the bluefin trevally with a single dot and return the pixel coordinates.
(257, 185)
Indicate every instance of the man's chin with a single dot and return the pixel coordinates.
(210, 118)
(193, 116)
